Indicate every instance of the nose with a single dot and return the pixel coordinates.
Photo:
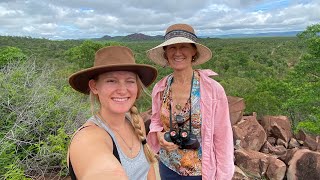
(178, 51)
(122, 88)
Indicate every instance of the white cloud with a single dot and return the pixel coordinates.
(87, 19)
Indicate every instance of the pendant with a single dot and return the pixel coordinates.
(178, 107)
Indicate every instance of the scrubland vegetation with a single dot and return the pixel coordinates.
(39, 111)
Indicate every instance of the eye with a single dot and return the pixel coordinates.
(184, 47)
(132, 81)
(110, 81)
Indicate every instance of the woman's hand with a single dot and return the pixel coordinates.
(169, 146)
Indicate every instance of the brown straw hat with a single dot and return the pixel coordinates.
(113, 58)
(179, 33)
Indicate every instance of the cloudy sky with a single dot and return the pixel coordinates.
(74, 19)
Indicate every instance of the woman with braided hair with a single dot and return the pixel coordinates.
(112, 143)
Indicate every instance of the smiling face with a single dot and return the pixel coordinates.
(180, 55)
(117, 90)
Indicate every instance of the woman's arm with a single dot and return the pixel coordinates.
(151, 173)
(155, 125)
(223, 139)
(91, 155)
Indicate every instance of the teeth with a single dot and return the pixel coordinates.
(120, 99)
(178, 59)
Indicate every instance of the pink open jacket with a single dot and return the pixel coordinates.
(217, 137)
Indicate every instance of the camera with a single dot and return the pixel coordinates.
(182, 138)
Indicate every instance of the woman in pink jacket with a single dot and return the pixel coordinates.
(190, 127)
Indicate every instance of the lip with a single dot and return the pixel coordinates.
(179, 59)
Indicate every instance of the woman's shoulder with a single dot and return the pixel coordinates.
(162, 81)
(206, 77)
(91, 153)
(160, 85)
(90, 134)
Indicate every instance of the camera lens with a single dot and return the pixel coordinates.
(184, 135)
(174, 135)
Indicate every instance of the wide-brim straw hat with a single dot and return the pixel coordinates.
(112, 58)
(179, 33)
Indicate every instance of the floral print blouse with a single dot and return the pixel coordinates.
(185, 162)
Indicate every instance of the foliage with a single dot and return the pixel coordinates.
(8, 54)
(36, 115)
(14, 172)
(39, 111)
(312, 39)
(305, 83)
(83, 55)
(309, 126)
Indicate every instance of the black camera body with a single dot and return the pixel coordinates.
(183, 139)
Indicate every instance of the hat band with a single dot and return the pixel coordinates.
(180, 33)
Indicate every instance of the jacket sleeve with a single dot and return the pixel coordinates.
(155, 125)
(223, 139)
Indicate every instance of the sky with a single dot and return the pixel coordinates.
(79, 19)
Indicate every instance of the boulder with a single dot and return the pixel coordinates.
(304, 165)
(278, 127)
(249, 133)
(254, 163)
(239, 174)
(276, 169)
(236, 108)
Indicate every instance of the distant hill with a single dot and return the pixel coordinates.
(130, 37)
(143, 37)
(268, 34)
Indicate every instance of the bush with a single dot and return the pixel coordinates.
(37, 114)
(8, 54)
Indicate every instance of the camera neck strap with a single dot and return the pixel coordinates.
(170, 108)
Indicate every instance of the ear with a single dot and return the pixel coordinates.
(93, 86)
(194, 52)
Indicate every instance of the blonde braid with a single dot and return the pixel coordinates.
(136, 118)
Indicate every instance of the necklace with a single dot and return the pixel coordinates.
(178, 106)
(129, 147)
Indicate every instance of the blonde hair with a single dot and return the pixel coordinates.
(136, 119)
(135, 116)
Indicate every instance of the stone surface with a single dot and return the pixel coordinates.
(250, 133)
(276, 169)
(239, 174)
(254, 163)
(304, 165)
(277, 126)
(236, 108)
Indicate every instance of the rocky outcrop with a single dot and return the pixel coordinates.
(282, 155)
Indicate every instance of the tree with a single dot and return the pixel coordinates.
(8, 54)
(304, 80)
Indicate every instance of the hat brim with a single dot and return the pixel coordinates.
(80, 80)
(156, 53)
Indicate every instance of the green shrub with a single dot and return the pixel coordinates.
(310, 126)
(9, 54)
